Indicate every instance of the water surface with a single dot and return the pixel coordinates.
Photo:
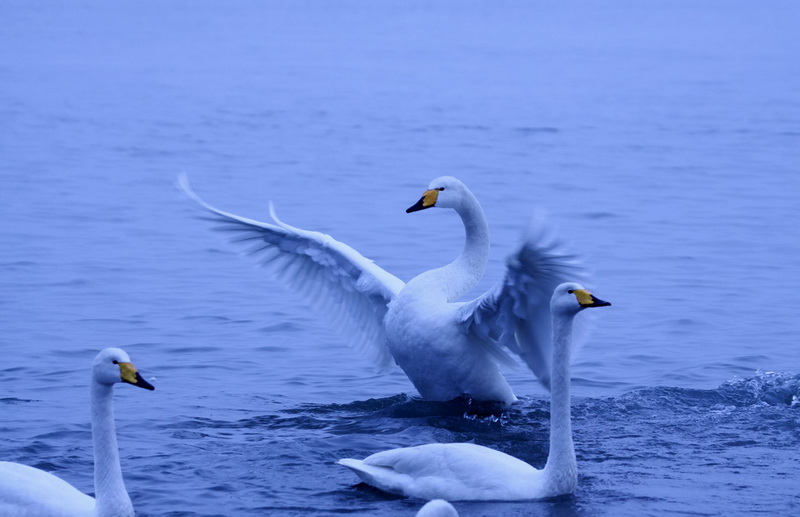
(662, 139)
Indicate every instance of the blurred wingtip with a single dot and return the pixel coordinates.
(273, 213)
(545, 251)
(182, 183)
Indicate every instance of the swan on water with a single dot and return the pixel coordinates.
(448, 349)
(437, 508)
(465, 471)
(29, 492)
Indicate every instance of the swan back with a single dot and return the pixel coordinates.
(29, 492)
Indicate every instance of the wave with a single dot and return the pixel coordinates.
(652, 444)
(771, 388)
(464, 416)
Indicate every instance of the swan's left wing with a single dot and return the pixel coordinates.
(346, 287)
(456, 471)
(515, 314)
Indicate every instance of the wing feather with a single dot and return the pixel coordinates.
(515, 314)
(349, 289)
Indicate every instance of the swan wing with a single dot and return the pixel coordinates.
(515, 314)
(454, 471)
(28, 491)
(351, 290)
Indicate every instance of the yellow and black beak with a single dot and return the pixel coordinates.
(130, 374)
(587, 299)
(427, 200)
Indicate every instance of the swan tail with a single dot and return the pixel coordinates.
(384, 478)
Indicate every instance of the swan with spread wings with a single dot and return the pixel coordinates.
(447, 348)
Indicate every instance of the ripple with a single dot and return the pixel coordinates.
(14, 400)
(598, 215)
(205, 317)
(18, 264)
(280, 327)
(531, 130)
(193, 349)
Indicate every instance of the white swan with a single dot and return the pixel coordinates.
(29, 492)
(465, 471)
(447, 348)
(437, 508)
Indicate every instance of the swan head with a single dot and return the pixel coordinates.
(572, 297)
(443, 192)
(113, 365)
(437, 508)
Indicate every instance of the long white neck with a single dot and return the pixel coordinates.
(460, 276)
(110, 494)
(561, 472)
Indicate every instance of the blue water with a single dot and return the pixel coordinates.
(662, 138)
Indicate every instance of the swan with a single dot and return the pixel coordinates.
(465, 471)
(448, 349)
(29, 492)
(437, 508)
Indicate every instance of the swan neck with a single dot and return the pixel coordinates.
(110, 494)
(561, 468)
(467, 269)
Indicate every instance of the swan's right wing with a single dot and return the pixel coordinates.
(329, 275)
(515, 314)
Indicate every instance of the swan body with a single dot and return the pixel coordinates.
(437, 508)
(446, 348)
(465, 471)
(424, 329)
(29, 492)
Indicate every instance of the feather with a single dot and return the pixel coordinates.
(350, 290)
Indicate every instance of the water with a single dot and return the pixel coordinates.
(662, 139)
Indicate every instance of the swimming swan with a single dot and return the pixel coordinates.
(29, 492)
(446, 348)
(465, 471)
(437, 508)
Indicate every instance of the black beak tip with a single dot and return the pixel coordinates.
(417, 206)
(141, 383)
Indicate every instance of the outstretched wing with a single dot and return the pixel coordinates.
(331, 276)
(515, 314)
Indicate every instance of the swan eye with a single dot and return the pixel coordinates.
(571, 291)
(115, 361)
(440, 188)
